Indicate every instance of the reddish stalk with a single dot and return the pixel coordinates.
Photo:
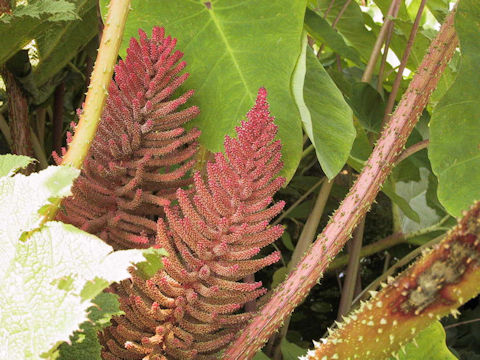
(403, 64)
(295, 288)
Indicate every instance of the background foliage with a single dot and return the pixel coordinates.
(311, 56)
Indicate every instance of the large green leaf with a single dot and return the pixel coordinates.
(327, 119)
(232, 49)
(27, 21)
(61, 42)
(454, 149)
(322, 32)
(428, 345)
(48, 278)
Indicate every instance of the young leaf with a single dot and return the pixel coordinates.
(44, 277)
(455, 127)
(231, 51)
(327, 119)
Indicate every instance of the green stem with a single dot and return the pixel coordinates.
(350, 281)
(298, 202)
(386, 243)
(97, 90)
(101, 78)
(304, 242)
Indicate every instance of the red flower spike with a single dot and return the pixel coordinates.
(141, 153)
(212, 236)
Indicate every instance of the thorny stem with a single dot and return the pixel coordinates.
(100, 80)
(379, 165)
(304, 242)
(399, 264)
(391, 14)
(403, 64)
(97, 90)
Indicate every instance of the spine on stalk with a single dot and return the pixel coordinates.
(444, 278)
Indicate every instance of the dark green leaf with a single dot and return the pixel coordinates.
(351, 24)
(455, 126)
(368, 106)
(84, 343)
(58, 45)
(291, 351)
(27, 21)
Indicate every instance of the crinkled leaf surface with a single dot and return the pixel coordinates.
(10, 163)
(428, 345)
(327, 118)
(27, 21)
(232, 48)
(42, 278)
(454, 149)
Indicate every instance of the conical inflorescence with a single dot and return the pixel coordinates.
(193, 307)
(141, 153)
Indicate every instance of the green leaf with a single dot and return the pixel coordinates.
(84, 344)
(27, 21)
(415, 193)
(278, 276)
(291, 351)
(351, 24)
(260, 356)
(323, 33)
(9, 163)
(232, 49)
(454, 149)
(61, 42)
(326, 117)
(153, 262)
(44, 277)
(428, 345)
(368, 106)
